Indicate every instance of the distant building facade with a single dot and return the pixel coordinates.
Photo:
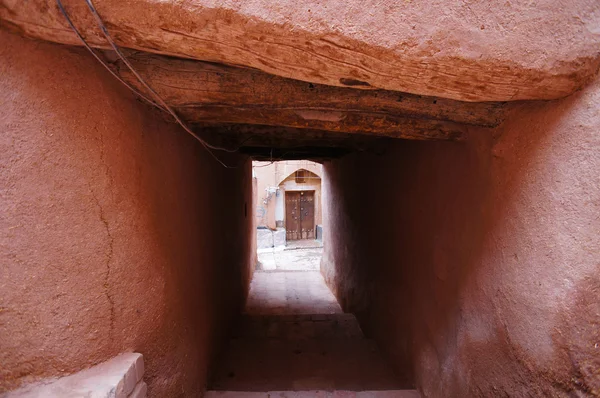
(289, 197)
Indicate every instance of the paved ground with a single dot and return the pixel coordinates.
(290, 293)
(294, 336)
(267, 363)
(302, 244)
(292, 259)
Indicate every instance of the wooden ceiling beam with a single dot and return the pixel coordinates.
(203, 92)
(196, 84)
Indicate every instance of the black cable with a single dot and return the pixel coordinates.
(162, 104)
(64, 12)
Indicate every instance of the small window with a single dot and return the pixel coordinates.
(301, 176)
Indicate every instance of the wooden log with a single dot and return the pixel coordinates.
(208, 93)
(468, 50)
(332, 121)
(199, 89)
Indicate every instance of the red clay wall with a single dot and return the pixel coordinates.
(119, 232)
(476, 265)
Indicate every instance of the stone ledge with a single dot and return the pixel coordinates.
(120, 377)
(268, 239)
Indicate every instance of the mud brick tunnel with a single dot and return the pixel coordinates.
(460, 151)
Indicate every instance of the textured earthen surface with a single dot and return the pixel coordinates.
(475, 265)
(294, 337)
(470, 50)
(118, 231)
(290, 293)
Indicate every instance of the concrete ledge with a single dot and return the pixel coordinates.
(120, 377)
(279, 237)
(266, 239)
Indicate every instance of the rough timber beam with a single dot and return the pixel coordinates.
(342, 122)
(204, 92)
(467, 50)
(208, 93)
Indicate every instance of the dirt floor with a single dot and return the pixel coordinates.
(294, 335)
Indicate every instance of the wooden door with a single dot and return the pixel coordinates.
(292, 216)
(300, 215)
(307, 214)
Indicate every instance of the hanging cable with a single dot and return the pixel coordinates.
(143, 82)
(161, 103)
(64, 12)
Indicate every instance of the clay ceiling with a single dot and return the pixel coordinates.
(321, 78)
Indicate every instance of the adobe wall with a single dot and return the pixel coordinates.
(475, 265)
(119, 231)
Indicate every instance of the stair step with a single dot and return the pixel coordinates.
(297, 327)
(315, 394)
(296, 365)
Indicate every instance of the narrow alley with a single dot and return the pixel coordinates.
(295, 339)
(294, 199)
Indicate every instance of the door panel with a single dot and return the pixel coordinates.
(292, 215)
(300, 215)
(307, 219)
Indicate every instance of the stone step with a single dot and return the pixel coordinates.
(298, 327)
(302, 364)
(119, 377)
(314, 394)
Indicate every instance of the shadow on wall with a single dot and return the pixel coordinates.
(477, 267)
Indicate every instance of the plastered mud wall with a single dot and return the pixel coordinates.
(118, 231)
(476, 265)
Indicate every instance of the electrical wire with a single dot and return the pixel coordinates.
(143, 82)
(161, 103)
(265, 165)
(64, 12)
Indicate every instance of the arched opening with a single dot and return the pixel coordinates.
(288, 215)
(299, 205)
(289, 205)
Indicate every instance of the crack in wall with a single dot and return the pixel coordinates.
(110, 250)
(102, 157)
(109, 256)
